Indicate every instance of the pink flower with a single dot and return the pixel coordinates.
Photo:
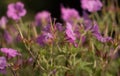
(7, 36)
(73, 33)
(3, 22)
(3, 64)
(45, 38)
(9, 52)
(70, 33)
(91, 5)
(69, 14)
(59, 27)
(42, 17)
(16, 11)
(96, 32)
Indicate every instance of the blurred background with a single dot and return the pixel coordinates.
(34, 6)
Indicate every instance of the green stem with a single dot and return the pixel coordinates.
(97, 16)
(51, 53)
(19, 30)
(28, 47)
(13, 72)
(74, 59)
(35, 32)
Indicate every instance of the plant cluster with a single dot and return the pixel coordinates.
(87, 45)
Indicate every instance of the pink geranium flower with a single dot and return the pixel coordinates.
(3, 22)
(42, 17)
(9, 52)
(16, 10)
(69, 14)
(91, 5)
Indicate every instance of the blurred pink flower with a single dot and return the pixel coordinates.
(87, 21)
(9, 52)
(69, 14)
(73, 33)
(7, 36)
(91, 5)
(70, 33)
(3, 64)
(16, 10)
(44, 38)
(3, 22)
(59, 27)
(96, 32)
(42, 17)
